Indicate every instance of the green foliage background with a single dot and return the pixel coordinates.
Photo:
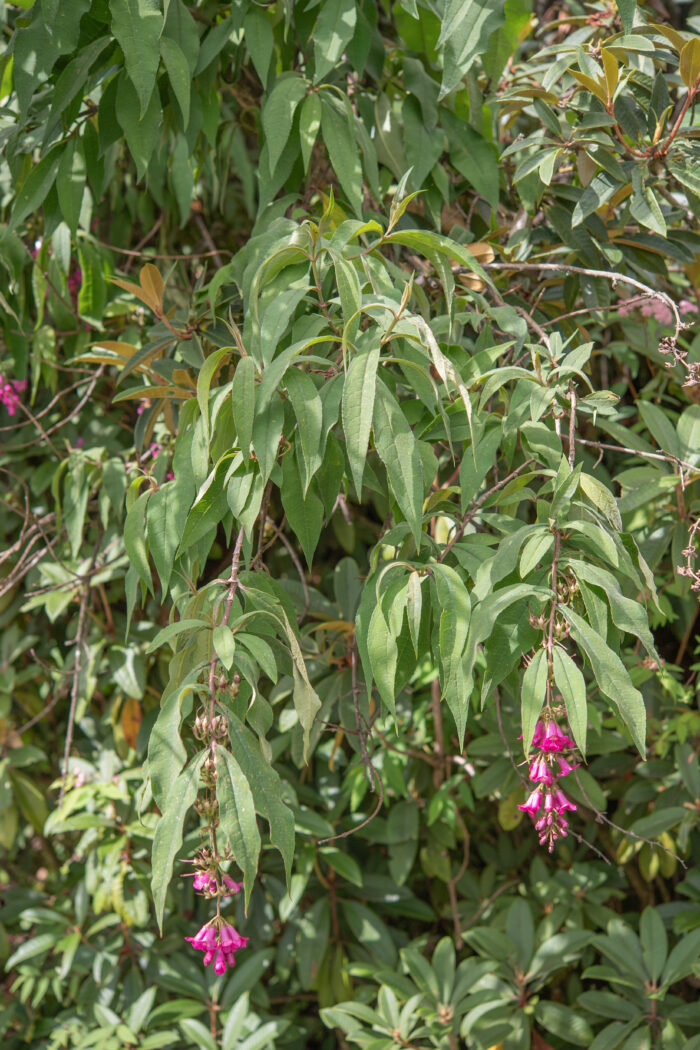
(390, 307)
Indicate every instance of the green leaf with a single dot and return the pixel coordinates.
(397, 449)
(179, 75)
(304, 513)
(70, 183)
(166, 752)
(334, 29)
(267, 790)
(627, 9)
(308, 409)
(35, 187)
(224, 644)
(306, 700)
(572, 686)
(683, 958)
(339, 138)
(165, 523)
(532, 696)
(169, 831)
(135, 538)
(266, 434)
(381, 648)
(243, 403)
(534, 550)
(357, 410)
(652, 934)
(309, 123)
(602, 498)
(206, 374)
(278, 114)
(137, 26)
(564, 1022)
(141, 131)
(627, 614)
(237, 819)
(612, 677)
(467, 26)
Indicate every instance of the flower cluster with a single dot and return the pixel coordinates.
(10, 389)
(219, 941)
(204, 881)
(547, 796)
(657, 309)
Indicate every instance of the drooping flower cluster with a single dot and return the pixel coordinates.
(219, 941)
(547, 803)
(10, 389)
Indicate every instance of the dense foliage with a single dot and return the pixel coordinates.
(351, 462)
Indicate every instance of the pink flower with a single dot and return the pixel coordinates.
(560, 802)
(540, 772)
(538, 734)
(234, 887)
(686, 307)
(231, 940)
(202, 880)
(9, 393)
(532, 804)
(205, 940)
(220, 963)
(564, 767)
(554, 740)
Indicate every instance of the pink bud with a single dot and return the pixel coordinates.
(548, 802)
(220, 963)
(208, 958)
(538, 734)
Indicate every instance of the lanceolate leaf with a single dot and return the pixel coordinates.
(357, 409)
(169, 830)
(306, 700)
(612, 677)
(308, 409)
(266, 787)
(532, 696)
(237, 819)
(397, 449)
(572, 686)
(137, 25)
(166, 752)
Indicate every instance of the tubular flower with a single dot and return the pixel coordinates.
(532, 805)
(540, 772)
(547, 803)
(554, 740)
(219, 941)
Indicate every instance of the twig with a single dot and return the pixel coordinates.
(608, 275)
(208, 240)
(601, 818)
(459, 531)
(572, 425)
(77, 668)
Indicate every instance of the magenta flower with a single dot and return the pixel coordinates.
(560, 802)
(9, 393)
(540, 772)
(554, 740)
(219, 942)
(532, 804)
(203, 880)
(538, 735)
(233, 887)
(564, 767)
(205, 940)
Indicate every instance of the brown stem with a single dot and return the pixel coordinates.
(679, 120)
(572, 425)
